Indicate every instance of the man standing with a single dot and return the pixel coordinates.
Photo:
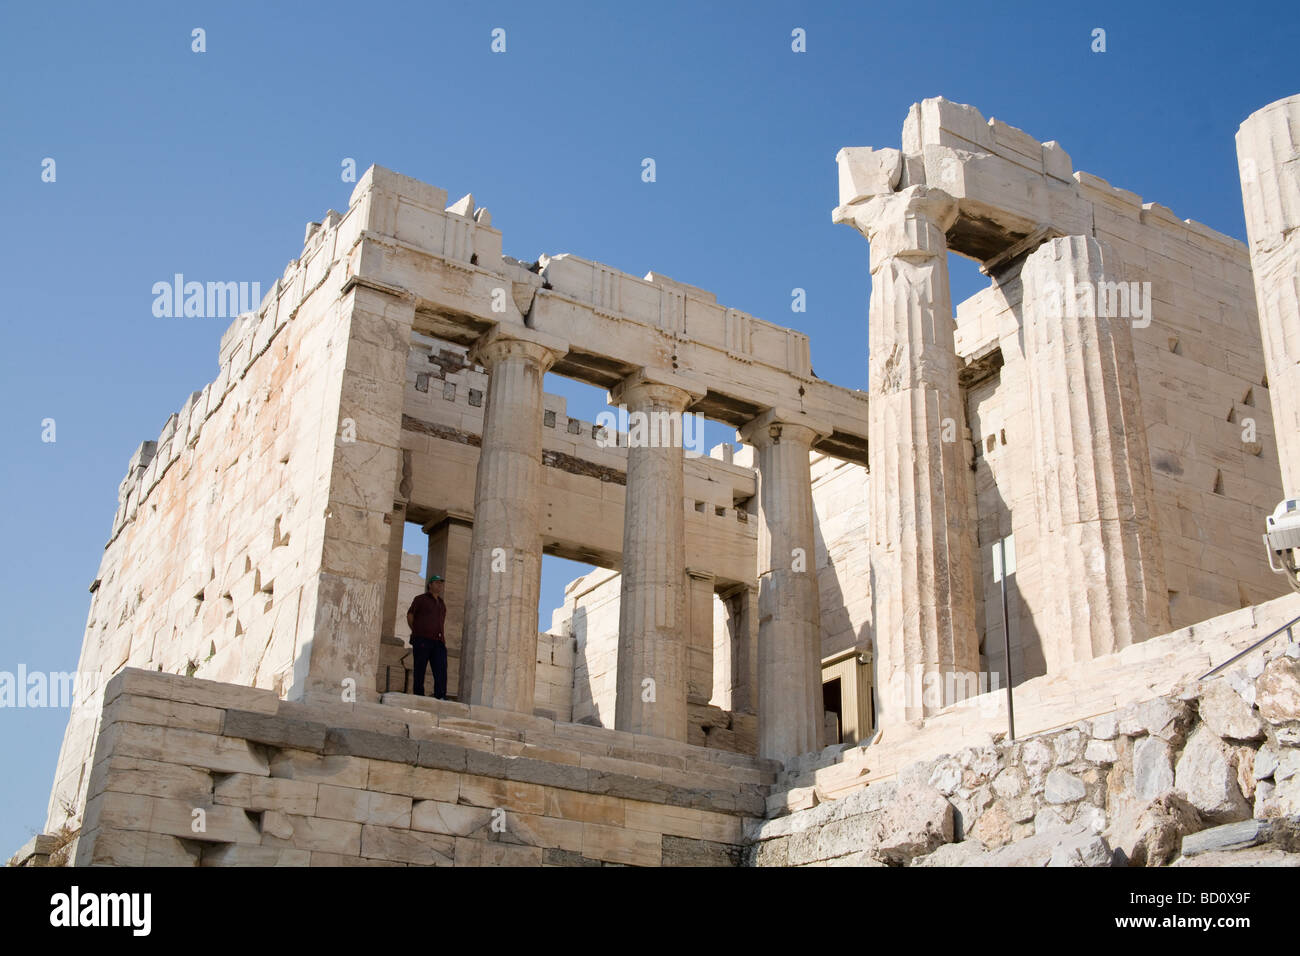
(426, 617)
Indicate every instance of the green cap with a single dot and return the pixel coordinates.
(433, 577)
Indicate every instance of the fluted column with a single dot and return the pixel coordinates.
(1268, 152)
(789, 606)
(498, 662)
(1102, 572)
(922, 594)
(652, 616)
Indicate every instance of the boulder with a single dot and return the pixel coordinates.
(1063, 787)
(1036, 757)
(1082, 849)
(1156, 835)
(994, 827)
(1230, 836)
(1224, 712)
(1207, 776)
(1105, 727)
(1153, 772)
(1101, 752)
(1160, 717)
(915, 823)
(1072, 846)
(1277, 691)
(1069, 746)
(1010, 783)
(946, 776)
(966, 853)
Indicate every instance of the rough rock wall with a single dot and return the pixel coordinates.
(1212, 768)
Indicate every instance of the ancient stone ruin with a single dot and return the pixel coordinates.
(795, 652)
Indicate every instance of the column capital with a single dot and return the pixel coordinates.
(660, 387)
(910, 223)
(776, 424)
(502, 341)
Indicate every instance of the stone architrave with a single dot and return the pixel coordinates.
(789, 605)
(1268, 153)
(923, 605)
(652, 650)
(1102, 582)
(498, 660)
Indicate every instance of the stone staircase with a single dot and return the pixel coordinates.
(652, 759)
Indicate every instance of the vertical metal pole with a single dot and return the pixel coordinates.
(1006, 639)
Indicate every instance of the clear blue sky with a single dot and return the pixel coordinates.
(209, 165)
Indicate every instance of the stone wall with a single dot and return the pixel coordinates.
(1211, 767)
(1201, 377)
(403, 782)
(229, 592)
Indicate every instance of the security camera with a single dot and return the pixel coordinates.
(1283, 541)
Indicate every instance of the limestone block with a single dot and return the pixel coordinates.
(1206, 775)
(151, 777)
(407, 846)
(241, 854)
(422, 783)
(1277, 691)
(1063, 787)
(189, 690)
(1227, 714)
(267, 793)
(915, 823)
(1153, 772)
(616, 845)
(109, 847)
(866, 172)
(363, 806)
(174, 745)
(335, 769)
(275, 731)
(474, 852)
(1229, 836)
(311, 833)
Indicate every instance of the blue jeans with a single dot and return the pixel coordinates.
(429, 651)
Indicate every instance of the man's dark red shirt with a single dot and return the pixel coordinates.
(430, 615)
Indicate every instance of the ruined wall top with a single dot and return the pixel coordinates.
(1012, 191)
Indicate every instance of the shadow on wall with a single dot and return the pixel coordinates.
(579, 624)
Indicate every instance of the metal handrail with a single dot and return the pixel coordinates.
(1263, 640)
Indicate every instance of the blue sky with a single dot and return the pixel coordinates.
(209, 164)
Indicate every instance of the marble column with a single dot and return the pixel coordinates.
(922, 592)
(498, 665)
(652, 654)
(1102, 582)
(1268, 153)
(789, 605)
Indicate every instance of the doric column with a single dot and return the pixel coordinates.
(498, 666)
(652, 611)
(1268, 152)
(1102, 573)
(789, 607)
(922, 595)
